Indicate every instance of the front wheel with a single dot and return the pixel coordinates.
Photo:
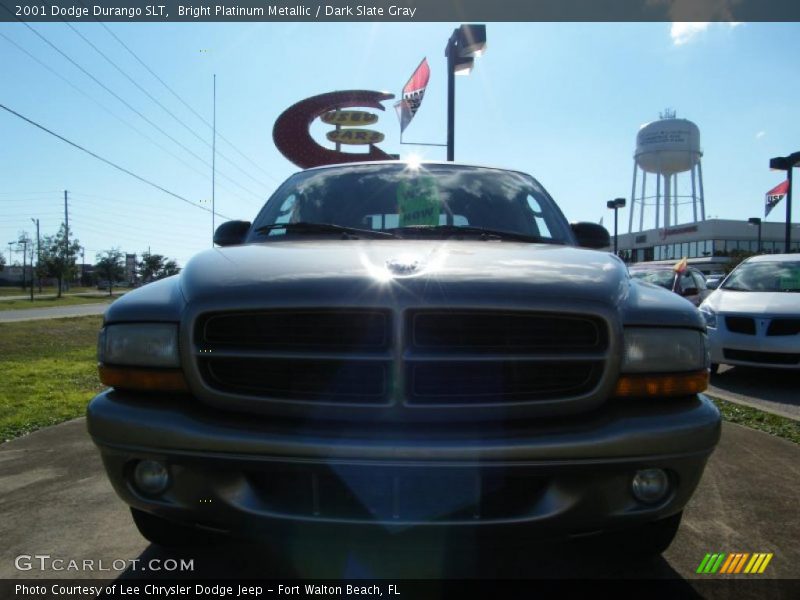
(169, 534)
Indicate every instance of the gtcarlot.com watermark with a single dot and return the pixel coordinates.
(46, 562)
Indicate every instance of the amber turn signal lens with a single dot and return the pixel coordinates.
(151, 380)
(671, 384)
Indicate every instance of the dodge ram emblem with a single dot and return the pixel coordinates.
(403, 266)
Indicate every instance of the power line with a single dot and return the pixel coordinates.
(116, 116)
(186, 104)
(158, 102)
(126, 103)
(108, 162)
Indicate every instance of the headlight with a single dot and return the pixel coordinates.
(140, 345)
(710, 316)
(664, 351)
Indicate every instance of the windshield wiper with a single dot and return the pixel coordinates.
(734, 288)
(485, 233)
(307, 227)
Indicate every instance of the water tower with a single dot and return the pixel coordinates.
(666, 148)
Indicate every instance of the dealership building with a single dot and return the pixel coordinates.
(711, 241)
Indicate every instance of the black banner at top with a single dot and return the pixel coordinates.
(400, 10)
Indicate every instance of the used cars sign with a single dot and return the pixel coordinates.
(355, 136)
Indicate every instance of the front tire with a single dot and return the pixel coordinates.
(169, 534)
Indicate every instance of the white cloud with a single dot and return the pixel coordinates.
(683, 33)
(760, 134)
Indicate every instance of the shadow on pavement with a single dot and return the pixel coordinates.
(774, 385)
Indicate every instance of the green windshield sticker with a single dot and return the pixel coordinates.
(418, 202)
(790, 283)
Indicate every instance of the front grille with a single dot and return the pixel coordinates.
(506, 331)
(499, 381)
(784, 327)
(396, 494)
(426, 359)
(766, 358)
(342, 330)
(298, 379)
(746, 325)
(304, 355)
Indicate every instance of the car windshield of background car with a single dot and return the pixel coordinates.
(765, 277)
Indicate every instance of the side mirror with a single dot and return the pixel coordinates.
(231, 233)
(692, 291)
(591, 235)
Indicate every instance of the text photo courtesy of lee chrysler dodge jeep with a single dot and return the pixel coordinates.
(393, 346)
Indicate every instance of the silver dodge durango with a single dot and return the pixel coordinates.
(392, 346)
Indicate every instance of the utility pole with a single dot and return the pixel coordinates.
(38, 252)
(24, 243)
(64, 284)
(83, 260)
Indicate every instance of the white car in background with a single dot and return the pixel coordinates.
(753, 319)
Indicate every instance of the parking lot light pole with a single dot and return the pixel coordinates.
(756, 221)
(787, 163)
(615, 205)
(465, 44)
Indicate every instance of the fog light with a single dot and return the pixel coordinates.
(151, 477)
(650, 485)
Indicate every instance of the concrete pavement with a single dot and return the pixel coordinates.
(31, 314)
(55, 500)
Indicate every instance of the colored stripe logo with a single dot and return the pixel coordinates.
(737, 562)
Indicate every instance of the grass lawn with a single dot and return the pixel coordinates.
(49, 372)
(753, 418)
(51, 301)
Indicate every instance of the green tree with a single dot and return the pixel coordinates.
(58, 257)
(736, 257)
(110, 266)
(156, 266)
(2, 262)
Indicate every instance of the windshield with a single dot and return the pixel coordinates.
(765, 277)
(662, 277)
(404, 200)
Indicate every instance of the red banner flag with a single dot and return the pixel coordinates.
(413, 92)
(774, 196)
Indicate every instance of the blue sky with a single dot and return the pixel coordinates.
(562, 101)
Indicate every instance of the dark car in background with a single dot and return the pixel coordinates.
(393, 348)
(681, 279)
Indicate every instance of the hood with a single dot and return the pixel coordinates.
(760, 303)
(400, 273)
(390, 272)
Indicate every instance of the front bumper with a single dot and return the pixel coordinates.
(250, 476)
(753, 350)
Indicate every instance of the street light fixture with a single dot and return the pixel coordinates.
(465, 44)
(787, 163)
(756, 221)
(615, 205)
